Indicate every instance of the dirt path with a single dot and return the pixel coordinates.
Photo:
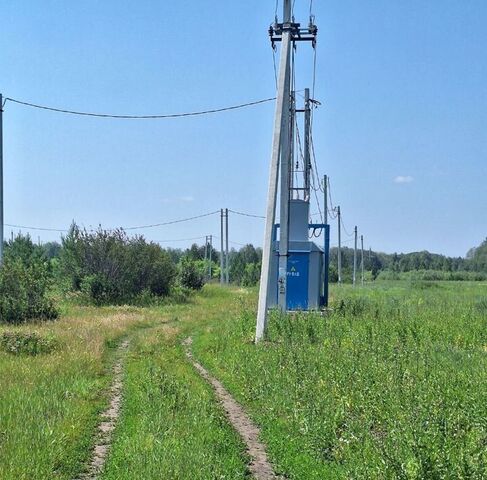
(260, 466)
(108, 419)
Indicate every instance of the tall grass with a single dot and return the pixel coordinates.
(391, 384)
(50, 400)
(171, 426)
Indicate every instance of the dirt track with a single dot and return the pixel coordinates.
(109, 418)
(260, 466)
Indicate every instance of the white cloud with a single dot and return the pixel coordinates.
(403, 179)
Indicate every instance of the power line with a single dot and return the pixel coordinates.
(172, 222)
(344, 228)
(179, 240)
(37, 228)
(235, 243)
(246, 214)
(139, 117)
(140, 227)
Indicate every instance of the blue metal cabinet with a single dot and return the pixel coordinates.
(297, 281)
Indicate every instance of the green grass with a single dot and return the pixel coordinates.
(392, 384)
(171, 426)
(49, 402)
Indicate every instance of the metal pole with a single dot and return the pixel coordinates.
(227, 266)
(355, 257)
(339, 246)
(1, 179)
(325, 192)
(222, 272)
(281, 133)
(362, 258)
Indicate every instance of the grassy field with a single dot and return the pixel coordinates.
(391, 384)
(49, 403)
(171, 426)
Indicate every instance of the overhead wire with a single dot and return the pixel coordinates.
(172, 222)
(179, 240)
(345, 228)
(245, 214)
(140, 117)
(41, 229)
(140, 227)
(275, 67)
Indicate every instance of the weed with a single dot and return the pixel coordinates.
(28, 343)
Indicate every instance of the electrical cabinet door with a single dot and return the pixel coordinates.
(297, 281)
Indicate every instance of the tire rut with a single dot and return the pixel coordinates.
(108, 419)
(260, 467)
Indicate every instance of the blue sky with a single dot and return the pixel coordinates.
(401, 129)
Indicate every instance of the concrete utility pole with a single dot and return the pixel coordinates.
(285, 178)
(292, 124)
(206, 255)
(1, 179)
(227, 266)
(280, 149)
(325, 193)
(355, 257)
(362, 257)
(307, 135)
(222, 272)
(211, 248)
(287, 33)
(339, 217)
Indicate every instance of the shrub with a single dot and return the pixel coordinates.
(27, 343)
(109, 267)
(190, 276)
(251, 275)
(24, 291)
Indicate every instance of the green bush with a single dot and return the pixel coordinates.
(32, 343)
(24, 291)
(190, 276)
(251, 275)
(109, 267)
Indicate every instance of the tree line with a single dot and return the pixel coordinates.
(110, 267)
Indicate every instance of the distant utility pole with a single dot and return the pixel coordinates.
(211, 248)
(227, 266)
(362, 257)
(206, 254)
(339, 217)
(1, 179)
(355, 257)
(222, 263)
(325, 192)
